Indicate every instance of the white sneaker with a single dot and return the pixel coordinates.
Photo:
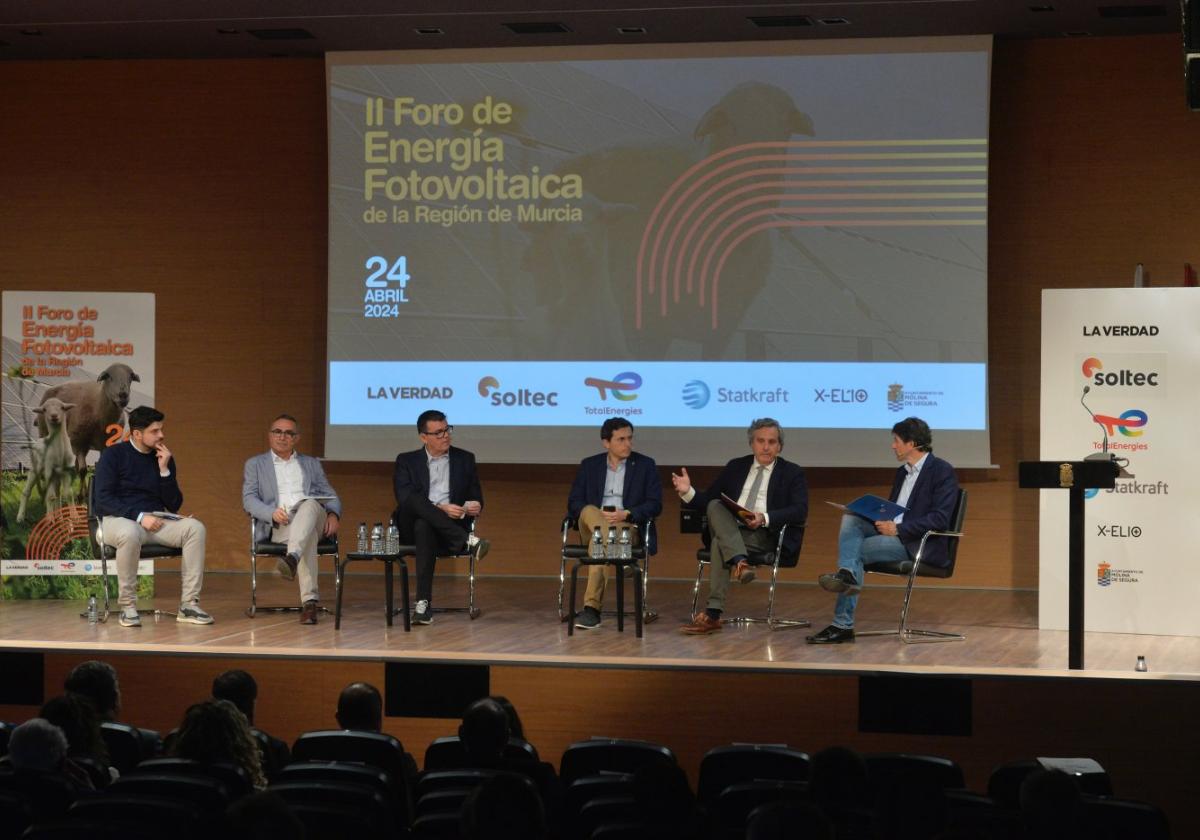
(129, 617)
(422, 614)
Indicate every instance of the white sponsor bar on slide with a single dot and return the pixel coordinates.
(693, 394)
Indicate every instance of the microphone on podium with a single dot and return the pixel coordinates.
(1102, 455)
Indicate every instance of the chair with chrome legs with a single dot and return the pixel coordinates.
(575, 550)
(327, 547)
(103, 552)
(912, 569)
(696, 522)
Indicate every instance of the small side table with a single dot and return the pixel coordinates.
(387, 560)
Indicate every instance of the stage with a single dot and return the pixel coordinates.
(520, 626)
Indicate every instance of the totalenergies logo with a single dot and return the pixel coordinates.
(1129, 423)
(619, 385)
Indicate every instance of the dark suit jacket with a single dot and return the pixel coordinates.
(787, 496)
(642, 495)
(930, 506)
(411, 475)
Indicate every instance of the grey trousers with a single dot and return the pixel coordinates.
(128, 537)
(729, 539)
(302, 536)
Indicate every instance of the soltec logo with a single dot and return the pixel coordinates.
(1094, 372)
(696, 394)
(489, 387)
(620, 385)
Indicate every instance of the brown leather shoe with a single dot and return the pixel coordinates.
(308, 613)
(702, 625)
(743, 572)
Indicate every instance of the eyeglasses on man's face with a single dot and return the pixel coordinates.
(439, 433)
(290, 433)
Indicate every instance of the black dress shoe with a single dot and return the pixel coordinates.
(832, 636)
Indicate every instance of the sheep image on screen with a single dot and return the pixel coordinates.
(51, 459)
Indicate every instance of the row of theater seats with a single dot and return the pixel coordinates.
(363, 785)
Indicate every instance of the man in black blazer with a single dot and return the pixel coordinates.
(437, 489)
(925, 485)
(617, 488)
(774, 490)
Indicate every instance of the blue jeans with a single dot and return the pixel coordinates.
(860, 545)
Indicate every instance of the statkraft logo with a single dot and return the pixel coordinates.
(621, 386)
(696, 394)
(1124, 371)
(1132, 487)
(489, 388)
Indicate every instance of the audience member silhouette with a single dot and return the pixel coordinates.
(240, 689)
(838, 785)
(515, 728)
(666, 802)
(360, 706)
(77, 719)
(97, 682)
(215, 732)
(39, 771)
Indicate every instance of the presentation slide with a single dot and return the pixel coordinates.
(533, 241)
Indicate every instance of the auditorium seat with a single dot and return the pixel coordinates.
(886, 770)
(235, 780)
(127, 746)
(448, 753)
(609, 755)
(439, 826)
(735, 802)
(164, 817)
(1111, 819)
(727, 765)
(585, 789)
(380, 816)
(210, 796)
(340, 771)
(604, 810)
(376, 749)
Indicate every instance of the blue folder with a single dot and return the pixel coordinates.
(875, 508)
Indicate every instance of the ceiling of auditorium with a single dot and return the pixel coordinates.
(70, 29)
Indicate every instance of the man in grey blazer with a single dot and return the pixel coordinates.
(292, 502)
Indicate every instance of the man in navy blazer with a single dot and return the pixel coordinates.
(292, 502)
(437, 489)
(772, 488)
(925, 485)
(616, 488)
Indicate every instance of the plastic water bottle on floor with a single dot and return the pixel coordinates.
(93, 615)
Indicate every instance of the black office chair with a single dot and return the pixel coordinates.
(103, 552)
(574, 549)
(696, 522)
(912, 569)
(326, 547)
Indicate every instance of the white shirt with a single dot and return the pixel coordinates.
(439, 478)
(910, 481)
(289, 478)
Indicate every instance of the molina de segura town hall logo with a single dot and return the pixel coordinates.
(899, 399)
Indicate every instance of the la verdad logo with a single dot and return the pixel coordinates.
(489, 387)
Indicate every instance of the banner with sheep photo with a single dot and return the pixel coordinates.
(74, 364)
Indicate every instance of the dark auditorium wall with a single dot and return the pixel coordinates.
(204, 181)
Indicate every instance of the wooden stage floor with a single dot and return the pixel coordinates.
(520, 626)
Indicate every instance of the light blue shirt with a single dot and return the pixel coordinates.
(910, 481)
(614, 486)
(439, 478)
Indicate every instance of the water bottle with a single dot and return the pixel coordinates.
(93, 615)
(597, 547)
(625, 547)
(393, 539)
(610, 551)
(377, 538)
(1141, 666)
(362, 537)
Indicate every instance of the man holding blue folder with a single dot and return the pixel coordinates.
(927, 489)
